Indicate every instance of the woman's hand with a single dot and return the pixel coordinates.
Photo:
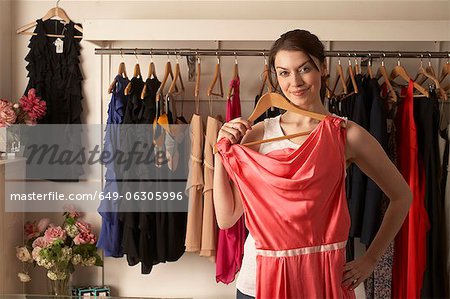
(357, 271)
(234, 130)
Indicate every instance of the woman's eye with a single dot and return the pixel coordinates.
(283, 73)
(305, 69)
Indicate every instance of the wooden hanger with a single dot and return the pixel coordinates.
(167, 72)
(121, 72)
(427, 75)
(351, 76)
(151, 74)
(382, 72)
(177, 77)
(357, 69)
(445, 71)
(399, 71)
(217, 76)
(52, 13)
(369, 67)
(136, 74)
(272, 99)
(197, 87)
(339, 77)
(235, 75)
(266, 81)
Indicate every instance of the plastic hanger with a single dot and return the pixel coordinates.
(351, 76)
(339, 77)
(53, 12)
(399, 71)
(427, 75)
(382, 72)
(136, 74)
(217, 76)
(121, 72)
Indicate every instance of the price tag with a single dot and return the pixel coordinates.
(59, 44)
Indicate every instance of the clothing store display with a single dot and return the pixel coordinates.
(110, 237)
(426, 116)
(55, 74)
(209, 227)
(287, 250)
(410, 242)
(230, 244)
(246, 280)
(194, 186)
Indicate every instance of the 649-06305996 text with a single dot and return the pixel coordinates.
(135, 196)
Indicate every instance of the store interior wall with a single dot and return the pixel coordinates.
(5, 48)
(191, 276)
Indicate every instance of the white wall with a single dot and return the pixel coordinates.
(191, 276)
(5, 49)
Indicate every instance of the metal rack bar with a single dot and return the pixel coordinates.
(265, 52)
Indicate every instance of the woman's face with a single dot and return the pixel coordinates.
(297, 76)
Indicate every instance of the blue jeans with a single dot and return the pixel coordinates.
(240, 295)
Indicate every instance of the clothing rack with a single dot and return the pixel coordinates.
(265, 52)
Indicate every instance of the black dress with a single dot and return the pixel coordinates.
(426, 117)
(57, 78)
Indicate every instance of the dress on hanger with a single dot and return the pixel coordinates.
(55, 74)
(209, 226)
(410, 242)
(230, 244)
(110, 237)
(298, 215)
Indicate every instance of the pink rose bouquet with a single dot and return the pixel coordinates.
(58, 248)
(29, 109)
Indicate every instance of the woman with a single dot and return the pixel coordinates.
(319, 269)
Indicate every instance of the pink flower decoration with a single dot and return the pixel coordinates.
(54, 233)
(73, 213)
(43, 224)
(7, 114)
(84, 238)
(33, 106)
(83, 226)
(40, 242)
(31, 231)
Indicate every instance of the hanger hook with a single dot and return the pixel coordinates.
(429, 59)
(121, 53)
(265, 58)
(382, 59)
(421, 60)
(217, 56)
(176, 55)
(349, 58)
(370, 59)
(398, 61)
(356, 58)
(235, 58)
(57, 3)
(135, 55)
(339, 58)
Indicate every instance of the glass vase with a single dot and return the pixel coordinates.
(59, 287)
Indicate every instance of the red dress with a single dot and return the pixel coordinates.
(410, 242)
(296, 209)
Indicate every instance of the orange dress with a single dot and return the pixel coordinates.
(296, 209)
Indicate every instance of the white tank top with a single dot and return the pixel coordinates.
(246, 281)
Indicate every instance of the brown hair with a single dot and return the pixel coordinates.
(298, 40)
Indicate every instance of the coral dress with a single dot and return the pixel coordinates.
(295, 208)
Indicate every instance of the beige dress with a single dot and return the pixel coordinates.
(210, 228)
(194, 187)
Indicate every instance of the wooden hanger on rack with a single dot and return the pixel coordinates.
(167, 72)
(339, 77)
(121, 72)
(151, 75)
(445, 70)
(265, 81)
(369, 67)
(235, 74)
(427, 75)
(399, 71)
(52, 13)
(351, 76)
(136, 74)
(217, 77)
(177, 77)
(382, 72)
(357, 69)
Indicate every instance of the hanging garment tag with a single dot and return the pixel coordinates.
(59, 44)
